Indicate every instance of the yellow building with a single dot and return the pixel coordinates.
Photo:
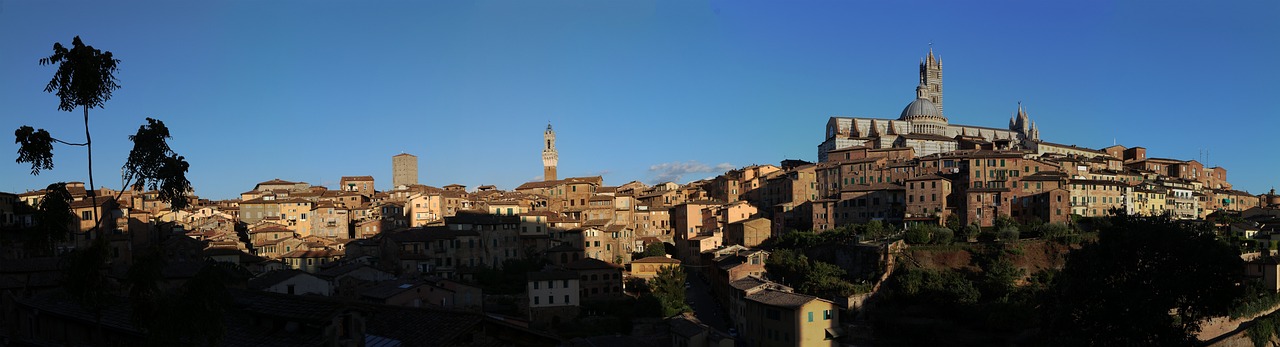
(1149, 202)
(647, 268)
(778, 318)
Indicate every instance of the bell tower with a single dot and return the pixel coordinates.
(549, 155)
(931, 79)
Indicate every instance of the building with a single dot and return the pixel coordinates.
(922, 125)
(363, 184)
(779, 318)
(553, 296)
(599, 279)
(404, 170)
(647, 268)
(292, 282)
(549, 155)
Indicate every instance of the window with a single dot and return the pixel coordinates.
(826, 314)
(810, 317)
(551, 284)
(86, 215)
(566, 298)
(551, 299)
(535, 284)
(535, 300)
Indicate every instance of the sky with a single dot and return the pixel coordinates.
(635, 90)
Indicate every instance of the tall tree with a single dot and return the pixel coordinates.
(1145, 282)
(668, 287)
(85, 79)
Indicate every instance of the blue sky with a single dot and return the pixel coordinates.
(636, 90)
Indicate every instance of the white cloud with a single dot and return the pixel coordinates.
(675, 170)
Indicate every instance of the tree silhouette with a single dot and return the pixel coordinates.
(1147, 281)
(85, 79)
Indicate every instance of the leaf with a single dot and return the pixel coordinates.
(35, 147)
(153, 165)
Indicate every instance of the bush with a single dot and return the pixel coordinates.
(1051, 231)
(1008, 233)
(963, 234)
(918, 235)
(943, 236)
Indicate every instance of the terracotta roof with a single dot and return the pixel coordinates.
(313, 253)
(591, 264)
(357, 178)
(748, 282)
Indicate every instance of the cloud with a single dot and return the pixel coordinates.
(675, 170)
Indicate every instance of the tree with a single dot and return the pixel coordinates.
(53, 219)
(85, 79)
(1145, 281)
(943, 236)
(874, 230)
(919, 234)
(655, 249)
(668, 287)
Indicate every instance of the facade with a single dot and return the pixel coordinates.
(359, 184)
(553, 289)
(748, 233)
(292, 282)
(647, 268)
(599, 279)
(779, 318)
(404, 170)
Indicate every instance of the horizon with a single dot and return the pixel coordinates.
(650, 92)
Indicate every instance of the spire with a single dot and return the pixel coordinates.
(921, 93)
(931, 59)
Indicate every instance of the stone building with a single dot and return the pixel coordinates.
(922, 125)
(404, 170)
(550, 158)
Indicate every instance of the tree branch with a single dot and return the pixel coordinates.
(71, 144)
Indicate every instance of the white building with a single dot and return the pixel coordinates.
(553, 289)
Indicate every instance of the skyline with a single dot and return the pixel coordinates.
(634, 91)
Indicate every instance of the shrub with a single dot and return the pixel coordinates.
(918, 235)
(943, 236)
(967, 232)
(1008, 233)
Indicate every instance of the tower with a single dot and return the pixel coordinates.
(549, 155)
(404, 169)
(931, 78)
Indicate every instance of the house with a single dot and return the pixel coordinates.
(748, 233)
(599, 279)
(358, 184)
(407, 293)
(348, 279)
(310, 260)
(553, 296)
(688, 331)
(292, 282)
(780, 318)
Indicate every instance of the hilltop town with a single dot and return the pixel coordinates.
(571, 261)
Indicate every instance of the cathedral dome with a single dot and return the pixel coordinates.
(921, 107)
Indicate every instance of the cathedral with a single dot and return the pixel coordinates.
(923, 127)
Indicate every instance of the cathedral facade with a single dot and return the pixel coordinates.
(922, 126)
